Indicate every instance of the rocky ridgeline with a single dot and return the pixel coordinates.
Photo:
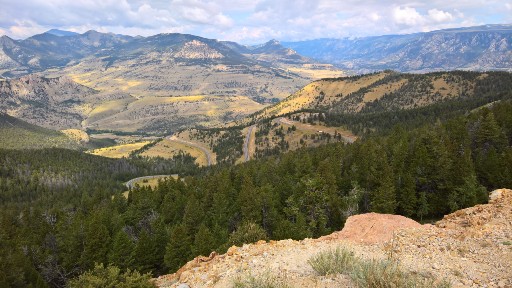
(471, 248)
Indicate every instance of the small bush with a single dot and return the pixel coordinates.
(265, 280)
(379, 274)
(111, 276)
(247, 233)
(369, 273)
(338, 261)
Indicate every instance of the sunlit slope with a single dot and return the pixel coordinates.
(166, 114)
(18, 134)
(383, 91)
(321, 92)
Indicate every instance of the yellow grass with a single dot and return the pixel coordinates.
(294, 138)
(315, 74)
(444, 88)
(119, 151)
(126, 84)
(76, 135)
(379, 91)
(106, 109)
(331, 89)
(82, 78)
(153, 182)
(168, 148)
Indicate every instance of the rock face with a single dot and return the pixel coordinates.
(198, 50)
(471, 248)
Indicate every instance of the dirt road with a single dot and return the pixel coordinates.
(204, 150)
(246, 143)
(132, 182)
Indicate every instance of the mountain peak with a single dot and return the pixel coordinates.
(6, 40)
(61, 33)
(273, 42)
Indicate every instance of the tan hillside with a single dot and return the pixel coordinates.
(170, 147)
(161, 74)
(164, 114)
(470, 248)
(61, 103)
(392, 90)
(309, 95)
(76, 135)
(284, 134)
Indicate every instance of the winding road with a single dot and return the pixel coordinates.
(246, 143)
(132, 182)
(204, 150)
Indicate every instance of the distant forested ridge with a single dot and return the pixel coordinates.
(62, 211)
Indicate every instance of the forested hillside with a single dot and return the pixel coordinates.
(18, 134)
(378, 101)
(421, 173)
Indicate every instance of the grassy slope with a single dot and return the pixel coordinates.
(384, 90)
(18, 134)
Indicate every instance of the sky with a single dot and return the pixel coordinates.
(249, 21)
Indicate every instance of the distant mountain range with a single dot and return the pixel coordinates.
(163, 65)
(167, 82)
(486, 47)
(57, 48)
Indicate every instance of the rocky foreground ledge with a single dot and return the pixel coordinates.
(470, 247)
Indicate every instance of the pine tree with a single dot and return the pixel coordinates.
(96, 242)
(423, 207)
(249, 201)
(384, 198)
(177, 250)
(147, 254)
(121, 254)
(407, 196)
(204, 243)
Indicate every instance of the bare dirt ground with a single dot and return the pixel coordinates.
(249, 143)
(471, 248)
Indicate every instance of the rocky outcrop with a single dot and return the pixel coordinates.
(198, 50)
(372, 228)
(471, 248)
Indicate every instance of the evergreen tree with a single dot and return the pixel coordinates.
(407, 195)
(204, 243)
(96, 242)
(249, 201)
(146, 253)
(384, 198)
(121, 254)
(177, 250)
(423, 207)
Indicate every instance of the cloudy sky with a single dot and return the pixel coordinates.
(249, 21)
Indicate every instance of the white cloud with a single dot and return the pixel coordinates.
(374, 16)
(407, 16)
(439, 16)
(248, 20)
